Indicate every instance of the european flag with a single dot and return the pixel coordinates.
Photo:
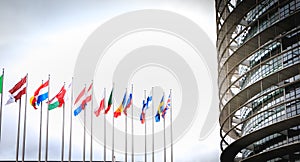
(79, 109)
(159, 109)
(157, 117)
(41, 98)
(149, 99)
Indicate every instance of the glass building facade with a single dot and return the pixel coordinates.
(258, 46)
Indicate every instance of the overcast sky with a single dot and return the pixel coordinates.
(45, 37)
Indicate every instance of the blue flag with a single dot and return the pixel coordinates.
(77, 110)
(41, 98)
(149, 99)
(159, 109)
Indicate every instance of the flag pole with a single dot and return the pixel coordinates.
(63, 133)
(47, 124)
(18, 135)
(171, 125)
(24, 127)
(132, 137)
(152, 124)
(104, 116)
(1, 104)
(71, 117)
(126, 133)
(165, 151)
(84, 122)
(84, 129)
(113, 133)
(91, 149)
(145, 129)
(40, 135)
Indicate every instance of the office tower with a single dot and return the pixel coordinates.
(258, 46)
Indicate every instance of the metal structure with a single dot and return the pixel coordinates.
(258, 45)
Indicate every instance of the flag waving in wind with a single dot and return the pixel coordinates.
(128, 104)
(59, 99)
(159, 109)
(68, 92)
(168, 106)
(145, 107)
(1, 84)
(149, 99)
(81, 94)
(87, 98)
(101, 107)
(118, 112)
(109, 101)
(40, 95)
(142, 116)
(79, 108)
(17, 91)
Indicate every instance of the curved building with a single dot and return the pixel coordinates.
(258, 44)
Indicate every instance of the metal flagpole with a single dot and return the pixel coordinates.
(84, 129)
(40, 135)
(145, 128)
(132, 137)
(171, 125)
(152, 125)
(165, 151)
(126, 138)
(24, 127)
(113, 132)
(18, 135)
(91, 149)
(63, 133)
(71, 117)
(47, 124)
(126, 133)
(1, 104)
(84, 122)
(104, 116)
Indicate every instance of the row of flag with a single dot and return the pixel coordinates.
(85, 96)
(81, 101)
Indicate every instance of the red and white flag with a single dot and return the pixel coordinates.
(17, 91)
(101, 107)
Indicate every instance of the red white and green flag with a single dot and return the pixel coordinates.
(58, 100)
